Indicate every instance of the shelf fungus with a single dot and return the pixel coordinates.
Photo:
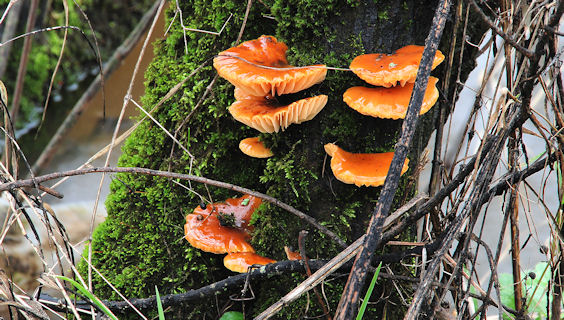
(386, 70)
(267, 115)
(255, 148)
(241, 261)
(260, 67)
(389, 103)
(361, 169)
(222, 227)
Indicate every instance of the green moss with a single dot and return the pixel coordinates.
(141, 243)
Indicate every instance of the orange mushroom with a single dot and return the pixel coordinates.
(207, 234)
(204, 231)
(255, 148)
(241, 261)
(389, 102)
(260, 67)
(361, 169)
(266, 114)
(387, 70)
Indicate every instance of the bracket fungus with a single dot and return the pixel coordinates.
(255, 148)
(386, 70)
(389, 103)
(361, 169)
(260, 67)
(266, 114)
(241, 261)
(204, 231)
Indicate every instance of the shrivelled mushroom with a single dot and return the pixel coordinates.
(241, 66)
(292, 255)
(266, 114)
(361, 169)
(241, 261)
(389, 102)
(204, 230)
(255, 148)
(387, 70)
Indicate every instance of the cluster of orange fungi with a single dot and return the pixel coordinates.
(260, 72)
(388, 101)
(224, 228)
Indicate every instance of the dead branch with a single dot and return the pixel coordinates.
(40, 179)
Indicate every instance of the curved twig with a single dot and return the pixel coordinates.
(173, 175)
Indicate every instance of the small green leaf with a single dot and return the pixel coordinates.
(368, 293)
(159, 304)
(232, 315)
(90, 295)
(245, 202)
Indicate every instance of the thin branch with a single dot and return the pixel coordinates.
(39, 31)
(281, 267)
(526, 52)
(40, 179)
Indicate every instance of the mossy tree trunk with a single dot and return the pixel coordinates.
(141, 244)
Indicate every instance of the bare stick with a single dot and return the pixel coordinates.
(350, 297)
(303, 253)
(173, 175)
(54, 74)
(23, 63)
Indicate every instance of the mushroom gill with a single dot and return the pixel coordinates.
(260, 67)
(389, 103)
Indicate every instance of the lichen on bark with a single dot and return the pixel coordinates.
(141, 245)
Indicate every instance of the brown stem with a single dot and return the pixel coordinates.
(303, 253)
(173, 175)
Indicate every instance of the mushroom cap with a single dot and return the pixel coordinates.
(386, 70)
(361, 169)
(265, 51)
(389, 102)
(241, 261)
(255, 148)
(267, 115)
(204, 231)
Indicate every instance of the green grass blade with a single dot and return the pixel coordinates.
(159, 305)
(90, 295)
(368, 293)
